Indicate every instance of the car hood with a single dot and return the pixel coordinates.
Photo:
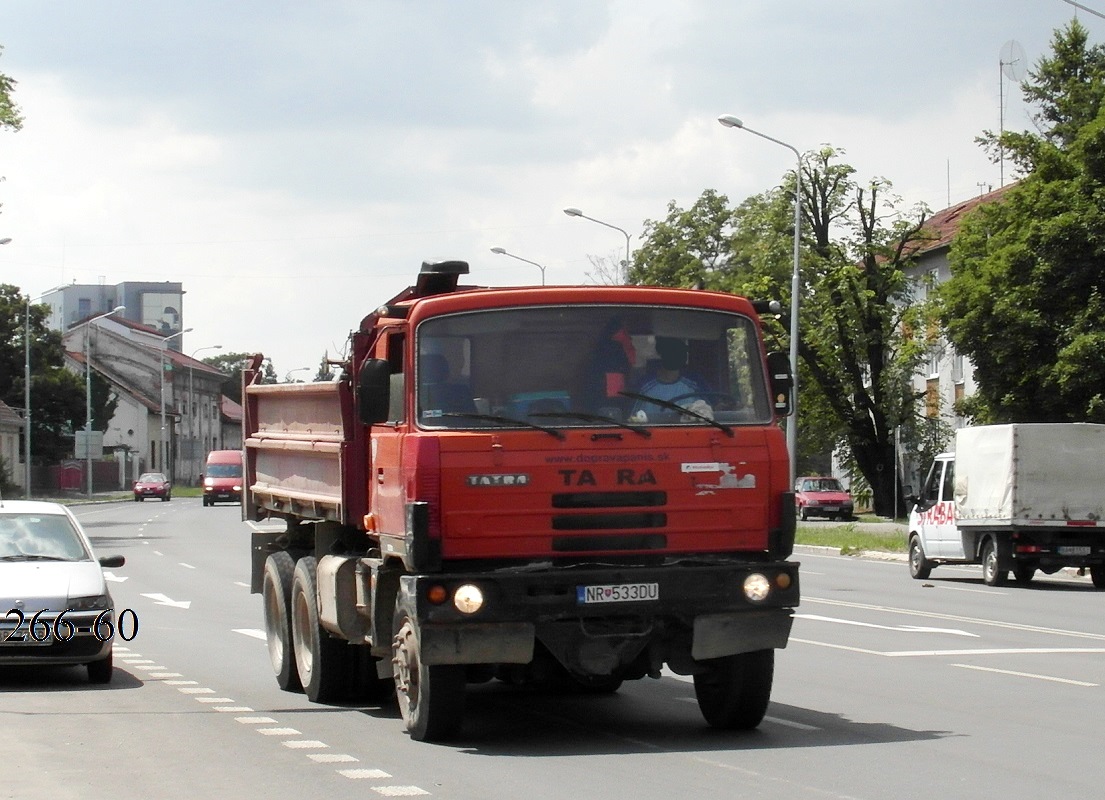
(48, 584)
(820, 496)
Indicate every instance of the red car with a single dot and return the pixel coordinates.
(152, 484)
(822, 497)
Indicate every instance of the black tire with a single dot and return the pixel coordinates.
(165, 498)
(733, 692)
(276, 598)
(137, 498)
(919, 566)
(1023, 573)
(100, 671)
(431, 698)
(323, 662)
(803, 515)
(992, 573)
(1097, 575)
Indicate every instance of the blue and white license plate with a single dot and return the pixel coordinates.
(618, 593)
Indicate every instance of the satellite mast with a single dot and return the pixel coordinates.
(1011, 63)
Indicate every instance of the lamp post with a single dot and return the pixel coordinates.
(500, 251)
(575, 212)
(164, 340)
(729, 121)
(88, 396)
(27, 390)
(288, 374)
(192, 411)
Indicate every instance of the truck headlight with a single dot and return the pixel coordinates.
(757, 587)
(468, 599)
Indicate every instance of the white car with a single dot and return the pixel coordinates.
(55, 607)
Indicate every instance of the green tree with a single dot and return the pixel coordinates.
(859, 333)
(10, 118)
(57, 395)
(232, 365)
(1027, 294)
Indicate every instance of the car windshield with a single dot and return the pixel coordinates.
(152, 477)
(822, 485)
(568, 366)
(224, 470)
(47, 537)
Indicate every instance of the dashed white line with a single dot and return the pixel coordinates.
(399, 791)
(181, 683)
(305, 744)
(186, 566)
(255, 720)
(361, 774)
(214, 700)
(331, 758)
(164, 675)
(278, 731)
(234, 709)
(195, 690)
(251, 632)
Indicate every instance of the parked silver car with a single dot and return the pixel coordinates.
(55, 607)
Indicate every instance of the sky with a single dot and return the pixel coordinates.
(292, 164)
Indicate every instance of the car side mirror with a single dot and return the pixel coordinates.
(112, 561)
(782, 382)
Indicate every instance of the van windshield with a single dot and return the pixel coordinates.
(224, 470)
(568, 366)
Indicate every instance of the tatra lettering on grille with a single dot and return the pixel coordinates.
(498, 480)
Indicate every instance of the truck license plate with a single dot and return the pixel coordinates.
(618, 593)
(1072, 550)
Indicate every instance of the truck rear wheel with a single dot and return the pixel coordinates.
(1097, 575)
(431, 698)
(1024, 573)
(322, 661)
(919, 566)
(992, 573)
(276, 595)
(733, 691)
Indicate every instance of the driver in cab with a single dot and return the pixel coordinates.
(671, 384)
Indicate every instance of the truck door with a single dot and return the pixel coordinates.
(936, 512)
(386, 497)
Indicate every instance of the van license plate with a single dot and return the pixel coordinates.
(618, 593)
(1069, 550)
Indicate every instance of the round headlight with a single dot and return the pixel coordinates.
(756, 587)
(468, 599)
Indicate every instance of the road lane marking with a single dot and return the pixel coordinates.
(998, 651)
(252, 632)
(278, 732)
(255, 720)
(901, 628)
(1016, 626)
(398, 791)
(162, 600)
(243, 584)
(361, 774)
(1051, 678)
(786, 723)
(215, 699)
(186, 566)
(160, 675)
(305, 744)
(195, 690)
(234, 709)
(332, 758)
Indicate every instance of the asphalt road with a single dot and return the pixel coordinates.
(890, 688)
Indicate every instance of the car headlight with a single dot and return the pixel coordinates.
(96, 602)
(757, 587)
(468, 599)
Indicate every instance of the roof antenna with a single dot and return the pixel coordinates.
(1010, 65)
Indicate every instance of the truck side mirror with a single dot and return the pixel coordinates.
(782, 382)
(373, 389)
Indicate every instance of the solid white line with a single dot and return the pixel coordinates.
(1027, 675)
(1008, 651)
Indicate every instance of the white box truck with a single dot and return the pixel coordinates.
(1020, 498)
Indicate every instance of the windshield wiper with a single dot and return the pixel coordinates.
(676, 407)
(595, 418)
(506, 421)
(33, 557)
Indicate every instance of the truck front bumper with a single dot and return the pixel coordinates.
(702, 610)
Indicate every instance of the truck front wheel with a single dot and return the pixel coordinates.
(322, 661)
(276, 595)
(919, 566)
(733, 691)
(431, 698)
(992, 572)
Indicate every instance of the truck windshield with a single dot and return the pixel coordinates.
(586, 366)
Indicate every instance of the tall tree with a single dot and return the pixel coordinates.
(57, 395)
(10, 118)
(1026, 299)
(231, 365)
(859, 342)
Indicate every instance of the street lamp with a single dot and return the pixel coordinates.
(729, 121)
(500, 251)
(27, 389)
(164, 447)
(88, 395)
(575, 212)
(288, 374)
(192, 411)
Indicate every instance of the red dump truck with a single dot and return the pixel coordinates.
(569, 484)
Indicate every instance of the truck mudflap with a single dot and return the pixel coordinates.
(697, 611)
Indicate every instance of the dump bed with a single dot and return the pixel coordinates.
(297, 442)
(1030, 474)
